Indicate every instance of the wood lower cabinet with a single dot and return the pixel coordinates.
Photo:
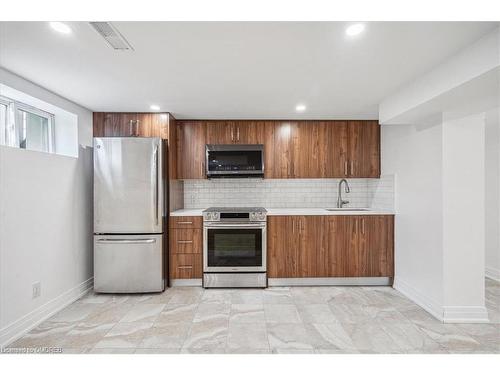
(185, 247)
(283, 246)
(330, 246)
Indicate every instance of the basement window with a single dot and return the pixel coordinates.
(24, 126)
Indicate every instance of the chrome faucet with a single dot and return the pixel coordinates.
(340, 201)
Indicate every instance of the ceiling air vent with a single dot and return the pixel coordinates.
(111, 35)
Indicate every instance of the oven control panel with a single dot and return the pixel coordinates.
(237, 214)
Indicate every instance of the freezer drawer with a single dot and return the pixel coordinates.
(128, 263)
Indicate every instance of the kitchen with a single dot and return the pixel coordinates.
(219, 224)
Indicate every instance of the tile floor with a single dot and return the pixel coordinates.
(275, 320)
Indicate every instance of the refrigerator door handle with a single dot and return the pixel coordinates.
(110, 241)
(156, 186)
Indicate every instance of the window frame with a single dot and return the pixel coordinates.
(13, 108)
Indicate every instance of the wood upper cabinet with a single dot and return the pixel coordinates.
(321, 149)
(331, 246)
(191, 141)
(116, 124)
(239, 132)
(280, 148)
(220, 132)
(364, 149)
(306, 149)
(249, 132)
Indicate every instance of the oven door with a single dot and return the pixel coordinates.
(234, 248)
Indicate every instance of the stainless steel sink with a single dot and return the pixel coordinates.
(347, 209)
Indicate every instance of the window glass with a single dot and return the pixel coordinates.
(3, 122)
(25, 126)
(33, 131)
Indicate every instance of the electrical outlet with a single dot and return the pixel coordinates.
(37, 289)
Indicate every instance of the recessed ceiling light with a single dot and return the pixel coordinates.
(300, 107)
(355, 29)
(154, 107)
(60, 27)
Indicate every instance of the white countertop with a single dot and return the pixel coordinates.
(188, 212)
(293, 211)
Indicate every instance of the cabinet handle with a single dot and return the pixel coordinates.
(237, 133)
(184, 267)
(130, 126)
(232, 134)
(184, 222)
(293, 226)
(363, 226)
(352, 168)
(184, 241)
(346, 172)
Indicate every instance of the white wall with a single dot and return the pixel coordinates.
(439, 225)
(463, 218)
(45, 223)
(413, 155)
(492, 185)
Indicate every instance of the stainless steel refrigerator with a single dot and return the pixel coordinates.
(129, 214)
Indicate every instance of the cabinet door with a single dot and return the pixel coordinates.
(354, 259)
(281, 138)
(307, 153)
(220, 132)
(151, 125)
(191, 141)
(341, 240)
(120, 124)
(364, 148)
(249, 132)
(320, 149)
(377, 245)
(283, 246)
(313, 257)
(336, 149)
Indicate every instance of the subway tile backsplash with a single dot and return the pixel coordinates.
(286, 193)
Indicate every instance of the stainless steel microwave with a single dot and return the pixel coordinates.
(234, 161)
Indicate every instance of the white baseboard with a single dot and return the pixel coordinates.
(21, 326)
(465, 314)
(493, 273)
(186, 282)
(445, 314)
(424, 302)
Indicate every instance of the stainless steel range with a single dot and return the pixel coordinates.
(234, 247)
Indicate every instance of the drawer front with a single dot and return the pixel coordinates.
(186, 222)
(185, 266)
(185, 241)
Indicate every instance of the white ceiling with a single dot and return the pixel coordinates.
(233, 69)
